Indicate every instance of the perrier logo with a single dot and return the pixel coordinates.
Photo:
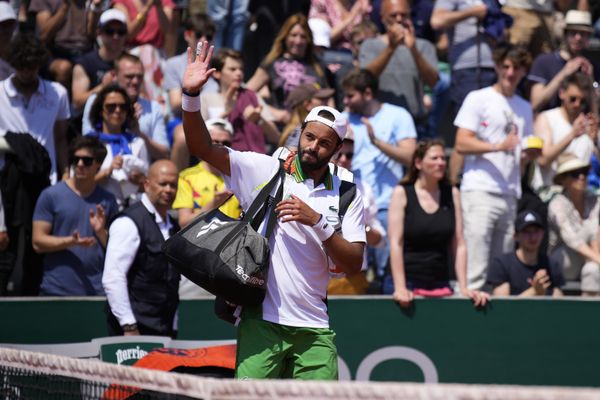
(124, 355)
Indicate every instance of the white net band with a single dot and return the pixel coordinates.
(227, 389)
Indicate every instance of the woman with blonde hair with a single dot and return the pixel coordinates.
(425, 231)
(290, 63)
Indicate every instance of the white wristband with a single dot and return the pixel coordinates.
(190, 103)
(323, 229)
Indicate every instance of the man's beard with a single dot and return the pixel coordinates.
(311, 165)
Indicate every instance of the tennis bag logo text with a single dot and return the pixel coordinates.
(252, 280)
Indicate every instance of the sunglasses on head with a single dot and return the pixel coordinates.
(112, 107)
(225, 143)
(112, 32)
(347, 154)
(578, 172)
(87, 160)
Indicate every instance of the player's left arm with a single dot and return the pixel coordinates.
(348, 256)
(346, 248)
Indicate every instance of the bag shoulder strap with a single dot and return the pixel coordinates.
(347, 194)
(278, 197)
(261, 197)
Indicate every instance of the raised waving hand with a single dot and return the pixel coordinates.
(198, 68)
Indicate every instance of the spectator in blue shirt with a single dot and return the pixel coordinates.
(69, 225)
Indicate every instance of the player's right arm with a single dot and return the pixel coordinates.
(197, 137)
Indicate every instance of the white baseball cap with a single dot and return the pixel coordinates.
(112, 14)
(339, 124)
(219, 123)
(7, 13)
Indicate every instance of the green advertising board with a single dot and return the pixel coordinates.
(512, 341)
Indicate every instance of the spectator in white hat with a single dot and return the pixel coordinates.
(8, 24)
(95, 69)
(573, 219)
(550, 69)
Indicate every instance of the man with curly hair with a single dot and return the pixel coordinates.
(34, 105)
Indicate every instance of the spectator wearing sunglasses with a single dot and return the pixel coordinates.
(151, 128)
(550, 69)
(127, 160)
(569, 128)
(573, 221)
(95, 69)
(69, 225)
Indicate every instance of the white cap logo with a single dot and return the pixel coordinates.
(529, 218)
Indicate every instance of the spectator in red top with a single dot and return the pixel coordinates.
(149, 22)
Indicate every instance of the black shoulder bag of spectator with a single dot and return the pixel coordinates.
(227, 257)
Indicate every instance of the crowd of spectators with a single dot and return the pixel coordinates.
(90, 93)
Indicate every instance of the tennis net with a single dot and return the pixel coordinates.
(28, 375)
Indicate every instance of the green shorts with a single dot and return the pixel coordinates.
(269, 350)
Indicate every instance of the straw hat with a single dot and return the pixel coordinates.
(568, 162)
(578, 21)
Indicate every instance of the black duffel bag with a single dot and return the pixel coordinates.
(225, 256)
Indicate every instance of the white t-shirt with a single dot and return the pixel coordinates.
(582, 146)
(48, 104)
(299, 268)
(489, 114)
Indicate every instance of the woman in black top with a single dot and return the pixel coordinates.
(425, 231)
